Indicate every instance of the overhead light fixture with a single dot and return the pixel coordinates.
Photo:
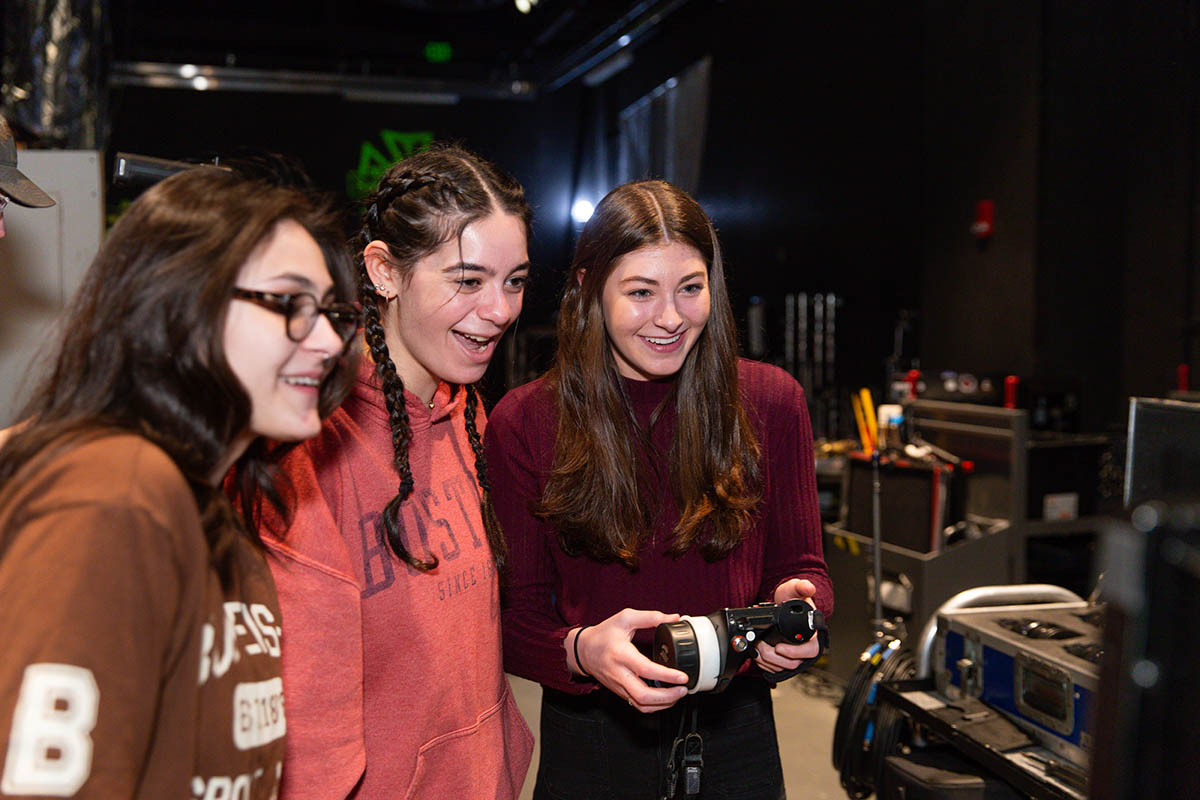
(525, 6)
(357, 88)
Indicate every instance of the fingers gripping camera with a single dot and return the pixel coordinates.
(710, 649)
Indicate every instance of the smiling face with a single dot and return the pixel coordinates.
(281, 377)
(447, 313)
(656, 304)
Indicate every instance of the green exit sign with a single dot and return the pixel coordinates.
(438, 52)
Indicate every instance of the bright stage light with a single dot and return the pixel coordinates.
(581, 212)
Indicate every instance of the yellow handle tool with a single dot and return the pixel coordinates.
(868, 411)
(864, 433)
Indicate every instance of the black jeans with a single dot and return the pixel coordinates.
(596, 747)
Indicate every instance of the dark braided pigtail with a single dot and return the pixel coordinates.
(491, 524)
(393, 395)
(426, 200)
(393, 389)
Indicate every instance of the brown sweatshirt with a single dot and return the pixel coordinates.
(126, 670)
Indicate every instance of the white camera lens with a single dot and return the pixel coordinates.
(708, 648)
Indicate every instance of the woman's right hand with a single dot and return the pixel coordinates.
(608, 655)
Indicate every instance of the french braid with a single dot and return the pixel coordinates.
(421, 203)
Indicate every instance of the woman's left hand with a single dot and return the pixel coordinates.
(782, 657)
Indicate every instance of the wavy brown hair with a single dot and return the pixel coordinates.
(142, 341)
(421, 203)
(594, 496)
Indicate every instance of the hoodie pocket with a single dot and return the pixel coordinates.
(487, 759)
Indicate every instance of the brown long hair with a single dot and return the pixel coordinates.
(142, 343)
(421, 203)
(593, 496)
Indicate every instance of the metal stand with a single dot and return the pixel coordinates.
(877, 541)
(882, 628)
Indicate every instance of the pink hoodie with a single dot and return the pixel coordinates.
(393, 677)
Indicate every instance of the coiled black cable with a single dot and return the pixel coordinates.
(867, 731)
(890, 722)
(855, 697)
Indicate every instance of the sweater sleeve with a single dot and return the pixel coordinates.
(97, 609)
(793, 523)
(533, 628)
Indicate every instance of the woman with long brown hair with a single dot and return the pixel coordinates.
(141, 627)
(387, 568)
(651, 473)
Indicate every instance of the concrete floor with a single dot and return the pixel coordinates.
(805, 713)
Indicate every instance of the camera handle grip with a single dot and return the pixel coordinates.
(795, 623)
(822, 634)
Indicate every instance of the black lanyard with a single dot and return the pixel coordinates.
(686, 752)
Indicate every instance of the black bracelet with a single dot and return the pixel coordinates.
(578, 663)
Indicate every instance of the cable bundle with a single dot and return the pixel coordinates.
(867, 731)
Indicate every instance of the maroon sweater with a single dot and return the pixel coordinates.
(549, 592)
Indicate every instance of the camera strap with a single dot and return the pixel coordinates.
(686, 752)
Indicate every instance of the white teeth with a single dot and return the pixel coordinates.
(300, 380)
(670, 340)
(479, 341)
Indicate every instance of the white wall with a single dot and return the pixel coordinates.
(42, 261)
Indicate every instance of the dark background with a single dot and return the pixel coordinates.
(847, 146)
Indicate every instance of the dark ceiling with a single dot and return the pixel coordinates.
(491, 44)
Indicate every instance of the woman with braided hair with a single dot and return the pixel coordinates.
(387, 568)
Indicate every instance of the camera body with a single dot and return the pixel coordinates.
(711, 649)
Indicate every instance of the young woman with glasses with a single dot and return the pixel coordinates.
(387, 570)
(141, 626)
(650, 473)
